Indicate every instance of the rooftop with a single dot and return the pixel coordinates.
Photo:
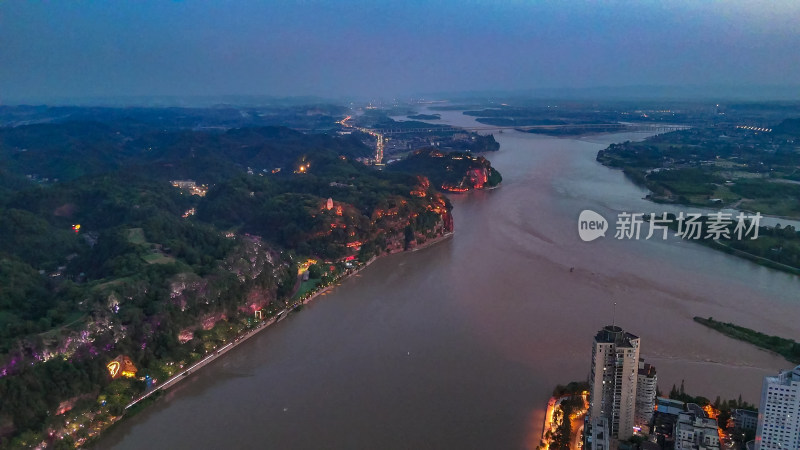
(692, 419)
(647, 370)
(614, 335)
(786, 377)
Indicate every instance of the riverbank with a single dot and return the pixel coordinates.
(154, 394)
(776, 245)
(766, 262)
(787, 348)
(433, 241)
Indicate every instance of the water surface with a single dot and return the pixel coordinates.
(459, 345)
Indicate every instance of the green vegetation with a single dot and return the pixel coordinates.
(718, 166)
(724, 166)
(452, 171)
(66, 151)
(787, 348)
(301, 116)
(572, 388)
(776, 247)
(306, 287)
(157, 274)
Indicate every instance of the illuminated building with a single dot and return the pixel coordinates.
(454, 188)
(191, 187)
(121, 366)
(302, 267)
(184, 184)
(614, 375)
(779, 412)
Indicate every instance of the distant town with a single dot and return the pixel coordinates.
(622, 407)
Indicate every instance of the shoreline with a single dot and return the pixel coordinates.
(430, 242)
(280, 316)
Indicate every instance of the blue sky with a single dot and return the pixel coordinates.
(374, 48)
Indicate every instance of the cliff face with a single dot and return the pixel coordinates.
(257, 270)
(247, 281)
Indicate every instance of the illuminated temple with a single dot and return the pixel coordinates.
(121, 366)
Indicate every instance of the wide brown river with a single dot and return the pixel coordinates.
(458, 346)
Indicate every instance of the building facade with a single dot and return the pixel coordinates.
(744, 419)
(614, 375)
(595, 434)
(693, 432)
(645, 394)
(779, 412)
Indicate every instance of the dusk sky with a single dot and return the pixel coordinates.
(78, 49)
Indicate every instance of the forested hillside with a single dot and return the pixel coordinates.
(127, 240)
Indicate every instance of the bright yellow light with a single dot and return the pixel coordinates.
(113, 368)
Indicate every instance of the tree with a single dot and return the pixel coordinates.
(408, 234)
(315, 271)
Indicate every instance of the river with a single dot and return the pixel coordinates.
(460, 345)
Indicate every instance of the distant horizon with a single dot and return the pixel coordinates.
(377, 49)
(638, 93)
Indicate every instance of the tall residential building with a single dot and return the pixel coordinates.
(779, 412)
(615, 365)
(645, 394)
(695, 432)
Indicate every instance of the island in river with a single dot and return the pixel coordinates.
(425, 117)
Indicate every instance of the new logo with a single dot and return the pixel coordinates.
(591, 225)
